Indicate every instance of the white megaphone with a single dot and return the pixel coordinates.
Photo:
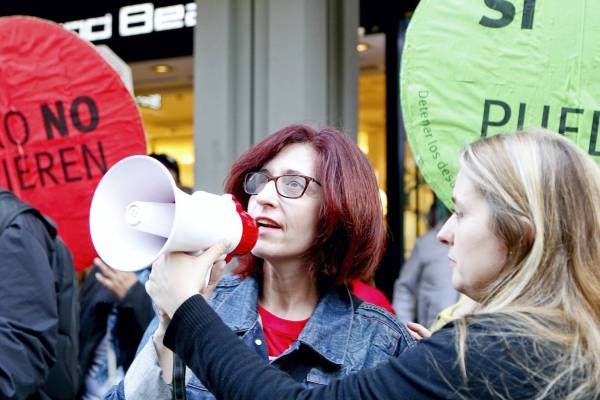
(138, 213)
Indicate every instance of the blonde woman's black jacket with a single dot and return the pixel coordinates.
(498, 365)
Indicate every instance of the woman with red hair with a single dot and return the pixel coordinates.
(315, 198)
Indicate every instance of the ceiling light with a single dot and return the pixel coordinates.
(361, 47)
(162, 68)
(152, 101)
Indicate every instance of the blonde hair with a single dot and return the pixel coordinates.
(544, 197)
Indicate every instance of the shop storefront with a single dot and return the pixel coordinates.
(356, 84)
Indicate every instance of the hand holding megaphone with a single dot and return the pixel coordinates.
(138, 214)
(175, 277)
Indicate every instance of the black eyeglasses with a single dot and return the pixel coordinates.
(288, 186)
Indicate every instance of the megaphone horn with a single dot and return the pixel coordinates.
(138, 213)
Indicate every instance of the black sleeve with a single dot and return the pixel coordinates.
(232, 371)
(28, 308)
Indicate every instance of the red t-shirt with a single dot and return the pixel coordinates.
(279, 332)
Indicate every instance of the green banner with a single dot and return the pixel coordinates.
(477, 68)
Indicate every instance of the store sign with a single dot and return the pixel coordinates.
(135, 30)
(479, 68)
(138, 19)
(65, 118)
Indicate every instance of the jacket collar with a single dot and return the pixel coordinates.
(327, 331)
(239, 310)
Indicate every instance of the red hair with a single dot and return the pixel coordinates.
(351, 236)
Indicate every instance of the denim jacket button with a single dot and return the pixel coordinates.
(258, 342)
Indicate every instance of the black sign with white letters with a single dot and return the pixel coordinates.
(135, 30)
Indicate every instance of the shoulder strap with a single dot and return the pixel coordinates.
(178, 379)
(11, 207)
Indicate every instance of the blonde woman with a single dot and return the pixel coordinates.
(524, 242)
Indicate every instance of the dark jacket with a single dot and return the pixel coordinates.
(134, 312)
(498, 365)
(28, 309)
(40, 306)
(342, 336)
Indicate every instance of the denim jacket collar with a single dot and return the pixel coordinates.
(239, 310)
(327, 331)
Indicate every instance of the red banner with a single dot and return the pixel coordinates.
(65, 118)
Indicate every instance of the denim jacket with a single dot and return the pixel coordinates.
(342, 336)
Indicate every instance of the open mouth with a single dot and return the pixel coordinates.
(267, 223)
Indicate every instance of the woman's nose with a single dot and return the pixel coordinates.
(268, 194)
(446, 233)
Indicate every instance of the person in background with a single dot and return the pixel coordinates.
(173, 166)
(39, 318)
(115, 311)
(524, 243)
(315, 199)
(424, 287)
